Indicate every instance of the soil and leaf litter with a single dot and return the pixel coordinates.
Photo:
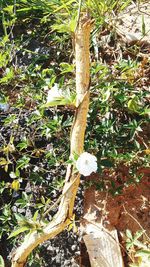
(36, 55)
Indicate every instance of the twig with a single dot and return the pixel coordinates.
(78, 16)
(139, 9)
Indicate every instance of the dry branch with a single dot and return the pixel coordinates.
(65, 211)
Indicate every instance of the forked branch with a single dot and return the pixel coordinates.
(65, 211)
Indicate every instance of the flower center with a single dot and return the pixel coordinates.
(86, 162)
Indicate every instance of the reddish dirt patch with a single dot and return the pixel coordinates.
(129, 210)
(131, 207)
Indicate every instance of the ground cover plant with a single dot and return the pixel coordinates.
(37, 54)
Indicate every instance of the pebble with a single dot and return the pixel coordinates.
(73, 247)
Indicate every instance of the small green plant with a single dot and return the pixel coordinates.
(26, 224)
(137, 250)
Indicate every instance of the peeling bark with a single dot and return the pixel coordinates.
(65, 211)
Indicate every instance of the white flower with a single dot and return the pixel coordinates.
(86, 164)
(54, 93)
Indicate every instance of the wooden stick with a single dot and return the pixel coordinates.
(62, 218)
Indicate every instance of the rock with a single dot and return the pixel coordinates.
(73, 247)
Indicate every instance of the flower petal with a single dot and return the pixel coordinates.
(54, 93)
(86, 164)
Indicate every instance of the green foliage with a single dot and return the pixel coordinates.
(138, 251)
(133, 240)
(7, 219)
(26, 224)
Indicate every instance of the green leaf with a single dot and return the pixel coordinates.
(21, 202)
(39, 205)
(138, 234)
(75, 156)
(106, 95)
(56, 102)
(11, 118)
(129, 234)
(23, 145)
(35, 215)
(20, 217)
(17, 172)
(59, 101)
(9, 9)
(66, 67)
(18, 231)
(27, 9)
(3, 161)
(129, 245)
(2, 264)
(64, 6)
(133, 104)
(69, 161)
(62, 28)
(23, 162)
(43, 200)
(125, 4)
(143, 253)
(9, 75)
(145, 112)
